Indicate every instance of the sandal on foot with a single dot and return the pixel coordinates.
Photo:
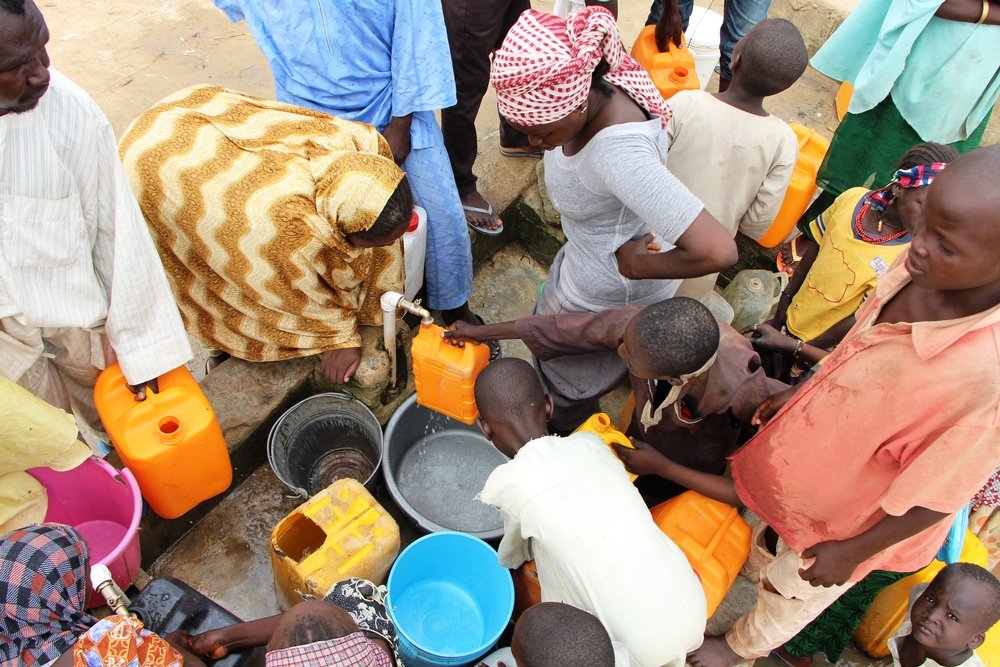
(790, 267)
(485, 211)
(520, 152)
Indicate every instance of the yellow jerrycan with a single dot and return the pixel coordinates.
(340, 532)
(445, 375)
(713, 536)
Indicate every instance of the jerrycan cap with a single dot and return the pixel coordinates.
(170, 429)
(755, 285)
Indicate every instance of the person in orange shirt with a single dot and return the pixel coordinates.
(864, 465)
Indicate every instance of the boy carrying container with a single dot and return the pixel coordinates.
(727, 149)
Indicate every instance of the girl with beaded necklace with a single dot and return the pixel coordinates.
(857, 240)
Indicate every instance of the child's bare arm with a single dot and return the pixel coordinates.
(646, 460)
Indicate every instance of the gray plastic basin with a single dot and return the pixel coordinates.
(434, 466)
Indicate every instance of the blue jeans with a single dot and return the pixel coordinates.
(738, 17)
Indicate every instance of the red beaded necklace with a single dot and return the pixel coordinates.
(868, 238)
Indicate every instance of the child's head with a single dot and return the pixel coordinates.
(553, 634)
(513, 406)
(908, 201)
(955, 611)
(956, 244)
(669, 339)
(769, 58)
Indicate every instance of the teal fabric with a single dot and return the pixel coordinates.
(943, 76)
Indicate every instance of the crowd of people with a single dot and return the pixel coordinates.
(856, 423)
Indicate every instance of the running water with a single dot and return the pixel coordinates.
(442, 473)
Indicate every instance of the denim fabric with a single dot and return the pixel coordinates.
(738, 17)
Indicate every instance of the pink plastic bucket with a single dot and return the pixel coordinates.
(104, 505)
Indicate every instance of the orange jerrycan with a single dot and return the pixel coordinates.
(340, 532)
(445, 375)
(600, 425)
(713, 536)
(672, 70)
(802, 186)
(891, 606)
(171, 441)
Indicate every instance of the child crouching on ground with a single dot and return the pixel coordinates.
(727, 149)
(568, 504)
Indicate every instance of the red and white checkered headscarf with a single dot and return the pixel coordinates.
(543, 70)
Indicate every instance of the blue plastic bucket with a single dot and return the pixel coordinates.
(450, 599)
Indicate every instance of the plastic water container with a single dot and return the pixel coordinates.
(340, 532)
(670, 71)
(600, 425)
(171, 441)
(753, 294)
(801, 187)
(713, 536)
(450, 600)
(892, 605)
(414, 253)
(843, 99)
(167, 604)
(703, 39)
(445, 375)
(104, 506)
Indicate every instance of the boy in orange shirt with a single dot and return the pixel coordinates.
(863, 466)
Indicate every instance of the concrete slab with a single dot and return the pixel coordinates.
(226, 555)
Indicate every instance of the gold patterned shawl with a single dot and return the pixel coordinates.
(248, 202)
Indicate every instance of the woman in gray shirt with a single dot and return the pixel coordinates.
(632, 229)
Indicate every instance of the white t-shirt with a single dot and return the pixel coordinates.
(568, 504)
(616, 189)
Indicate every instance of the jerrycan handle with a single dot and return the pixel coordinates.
(779, 283)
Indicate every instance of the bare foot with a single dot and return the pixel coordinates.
(485, 218)
(714, 652)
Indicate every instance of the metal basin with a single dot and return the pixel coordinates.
(433, 468)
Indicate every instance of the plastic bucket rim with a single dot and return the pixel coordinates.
(123, 476)
(699, 15)
(389, 478)
(509, 588)
(272, 433)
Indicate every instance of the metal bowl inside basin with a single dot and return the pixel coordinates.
(435, 466)
(324, 438)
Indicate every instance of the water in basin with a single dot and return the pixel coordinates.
(442, 473)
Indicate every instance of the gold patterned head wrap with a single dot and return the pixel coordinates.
(250, 202)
